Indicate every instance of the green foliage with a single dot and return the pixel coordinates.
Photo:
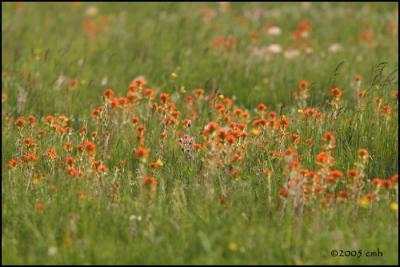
(89, 219)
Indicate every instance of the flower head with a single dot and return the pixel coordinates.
(142, 153)
(336, 91)
(150, 180)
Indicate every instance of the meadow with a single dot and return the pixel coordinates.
(199, 133)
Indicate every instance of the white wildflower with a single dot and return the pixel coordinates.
(274, 30)
(292, 53)
(334, 48)
(274, 48)
(91, 11)
(52, 251)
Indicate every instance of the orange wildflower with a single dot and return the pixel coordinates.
(72, 171)
(283, 192)
(40, 206)
(153, 165)
(20, 122)
(328, 137)
(70, 160)
(114, 103)
(12, 163)
(102, 168)
(376, 181)
(108, 93)
(51, 153)
(222, 134)
(141, 152)
(197, 146)
(32, 120)
(336, 91)
(164, 97)
(211, 126)
(231, 139)
(352, 173)
(344, 194)
(261, 107)
(135, 120)
(150, 180)
(363, 153)
(199, 91)
(140, 129)
(303, 85)
(90, 147)
(29, 157)
(337, 174)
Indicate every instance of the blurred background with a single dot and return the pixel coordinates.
(252, 52)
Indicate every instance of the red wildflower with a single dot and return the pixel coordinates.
(32, 120)
(222, 134)
(164, 97)
(70, 160)
(40, 206)
(336, 91)
(328, 137)
(153, 165)
(337, 174)
(283, 192)
(197, 146)
(261, 107)
(90, 147)
(376, 181)
(135, 120)
(20, 122)
(211, 126)
(102, 168)
(73, 82)
(72, 171)
(140, 129)
(231, 139)
(363, 153)
(303, 84)
(115, 103)
(352, 173)
(284, 122)
(199, 91)
(109, 93)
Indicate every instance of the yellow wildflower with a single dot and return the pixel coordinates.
(159, 163)
(255, 132)
(232, 246)
(364, 202)
(394, 206)
(35, 181)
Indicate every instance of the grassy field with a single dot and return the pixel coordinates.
(199, 133)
